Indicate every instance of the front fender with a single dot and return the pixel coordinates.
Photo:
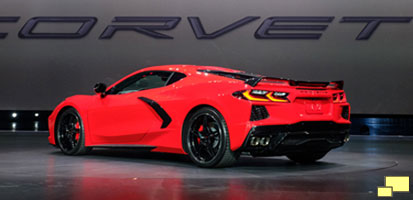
(78, 102)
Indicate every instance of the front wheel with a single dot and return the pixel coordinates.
(307, 157)
(70, 134)
(206, 139)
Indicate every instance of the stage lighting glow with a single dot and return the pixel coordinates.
(36, 126)
(13, 126)
(36, 114)
(14, 115)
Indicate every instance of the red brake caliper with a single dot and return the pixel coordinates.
(77, 126)
(201, 128)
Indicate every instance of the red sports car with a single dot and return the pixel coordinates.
(212, 114)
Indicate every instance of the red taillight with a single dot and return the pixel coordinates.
(254, 97)
(339, 97)
(263, 96)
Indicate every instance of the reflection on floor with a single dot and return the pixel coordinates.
(30, 168)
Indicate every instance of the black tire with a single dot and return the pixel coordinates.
(206, 139)
(306, 157)
(70, 134)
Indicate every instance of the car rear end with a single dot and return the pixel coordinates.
(290, 116)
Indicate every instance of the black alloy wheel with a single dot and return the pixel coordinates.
(207, 140)
(70, 135)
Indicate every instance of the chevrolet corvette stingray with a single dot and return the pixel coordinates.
(212, 114)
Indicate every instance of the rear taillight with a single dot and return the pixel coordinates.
(263, 96)
(339, 97)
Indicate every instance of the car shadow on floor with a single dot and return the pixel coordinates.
(245, 163)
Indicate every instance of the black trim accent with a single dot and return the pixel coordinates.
(258, 113)
(159, 110)
(299, 137)
(340, 83)
(169, 78)
(345, 112)
(308, 83)
(253, 81)
(124, 146)
(176, 76)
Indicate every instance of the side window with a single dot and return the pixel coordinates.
(176, 77)
(141, 81)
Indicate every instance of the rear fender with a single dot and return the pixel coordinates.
(236, 113)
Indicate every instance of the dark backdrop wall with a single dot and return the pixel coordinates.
(39, 73)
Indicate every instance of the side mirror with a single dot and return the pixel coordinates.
(100, 88)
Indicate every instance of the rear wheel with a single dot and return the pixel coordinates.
(70, 134)
(307, 157)
(206, 139)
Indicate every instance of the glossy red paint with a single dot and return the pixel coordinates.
(124, 119)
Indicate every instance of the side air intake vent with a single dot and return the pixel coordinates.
(258, 113)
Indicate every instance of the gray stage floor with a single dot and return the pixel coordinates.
(32, 169)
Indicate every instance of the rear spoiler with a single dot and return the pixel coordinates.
(332, 84)
(253, 80)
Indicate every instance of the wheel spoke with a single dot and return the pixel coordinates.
(209, 151)
(205, 142)
(197, 134)
(69, 132)
(72, 144)
(205, 124)
(214, 132)
(216, 142)
(200, 149)
(66, 128)
(66, 142)
(70, 120)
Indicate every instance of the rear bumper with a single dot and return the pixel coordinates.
(273, 140)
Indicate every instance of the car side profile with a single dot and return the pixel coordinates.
(212, 114)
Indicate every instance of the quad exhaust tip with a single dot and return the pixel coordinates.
(260, 141)
(347, 138)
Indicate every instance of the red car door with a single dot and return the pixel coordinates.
(120, 117)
